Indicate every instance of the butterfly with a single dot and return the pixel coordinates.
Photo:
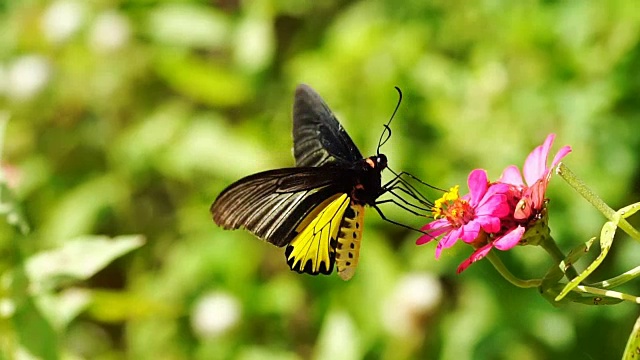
(315, 209)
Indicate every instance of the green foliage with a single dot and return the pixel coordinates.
(633, 345)
(129, 117)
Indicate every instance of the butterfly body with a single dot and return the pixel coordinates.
(315, 209)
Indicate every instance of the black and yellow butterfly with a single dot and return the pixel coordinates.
(316, 209)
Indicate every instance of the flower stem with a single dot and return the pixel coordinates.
(502, 269)
(594, 199)
(550, 246)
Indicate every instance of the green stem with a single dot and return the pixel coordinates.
(618, 280)
(594, 199)
(550, 246)
(502, 269)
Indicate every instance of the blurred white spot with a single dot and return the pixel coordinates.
(414, 297)
(191, 25)
(339, 338)
(214, 314)
(27, 76)
(555, 329)
(254, 43)
(62, 19)
(493, 78)
(7, 308)
(110, 31)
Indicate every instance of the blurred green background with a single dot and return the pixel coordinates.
(129, 117)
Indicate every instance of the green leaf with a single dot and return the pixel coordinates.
(118, 306)
(551, 294)
(606, 238)
(557, 272)
(629, 210)
(77, 210)
(632, 349)
(61, 308)
(34, 331)
(77, 259)
(10, 208)
(203, 80)
(35, 334)
(577, 253)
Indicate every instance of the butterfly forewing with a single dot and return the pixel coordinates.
(273, 203)
(318, 137)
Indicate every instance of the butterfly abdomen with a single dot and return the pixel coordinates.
(349, 240)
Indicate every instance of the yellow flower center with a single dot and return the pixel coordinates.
(457, 211)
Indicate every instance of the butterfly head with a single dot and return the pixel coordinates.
(377, 162)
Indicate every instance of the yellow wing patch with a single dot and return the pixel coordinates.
(349, 240)
(312, 250)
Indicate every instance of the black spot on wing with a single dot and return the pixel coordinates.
(350, 213)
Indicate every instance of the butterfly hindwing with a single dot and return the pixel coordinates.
(312, 251)
(318, 137)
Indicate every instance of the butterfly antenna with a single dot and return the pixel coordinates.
(386, 133)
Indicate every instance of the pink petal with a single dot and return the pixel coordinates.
(491, 193)
(535, 166)
(490, 224)
(477, 255)
(478, 184)
(439, 249)
(425, 239)
(511, 175)
(436, 225)
(564, 151)
(433, 229)
(446, 242)
(510, 239)
(500, 188)
(495, 205)
(537, 193)
(470, 231)
(450, 239)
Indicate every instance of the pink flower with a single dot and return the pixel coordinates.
(465, 217)
(494, 215)
(537, 175)
(526, 202)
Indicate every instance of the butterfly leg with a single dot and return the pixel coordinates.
(405, 173)
(396, 189)
(395, 222)
(414, 192)
(393, 201)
